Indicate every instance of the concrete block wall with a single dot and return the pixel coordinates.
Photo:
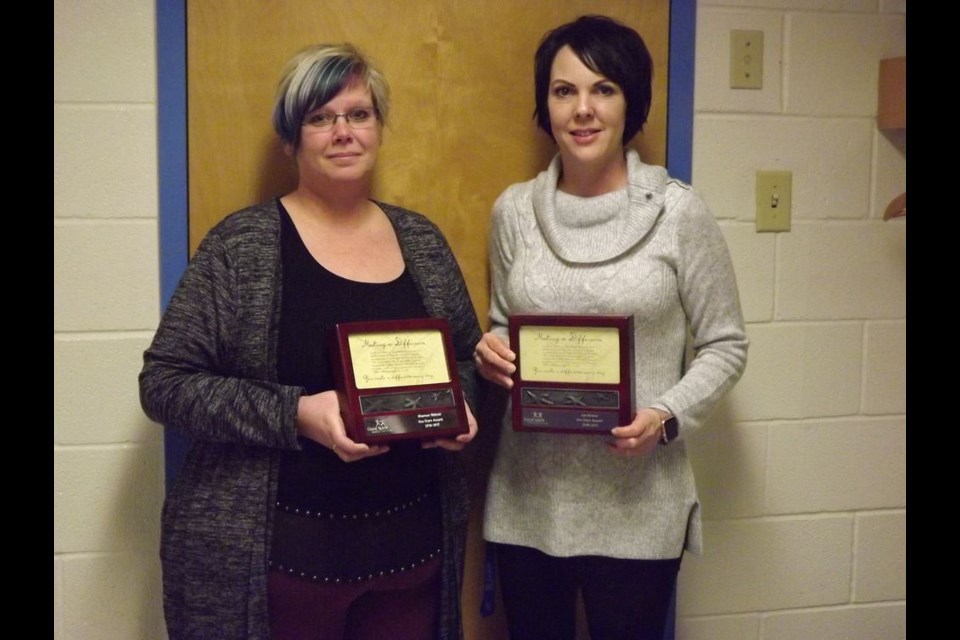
(107, 457)
(802, 471)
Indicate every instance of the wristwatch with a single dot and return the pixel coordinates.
(669, 429)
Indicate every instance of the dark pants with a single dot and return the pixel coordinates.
(623, 599)
(405, 605)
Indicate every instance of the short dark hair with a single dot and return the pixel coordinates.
(608, 48)
(315, 76)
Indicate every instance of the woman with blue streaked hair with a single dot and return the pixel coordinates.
(280, 525)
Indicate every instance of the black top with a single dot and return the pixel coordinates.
(314, 480)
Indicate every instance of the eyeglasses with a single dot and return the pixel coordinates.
(357, 118)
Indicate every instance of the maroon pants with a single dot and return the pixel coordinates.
(404, 605)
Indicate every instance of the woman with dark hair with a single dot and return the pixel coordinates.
(280, 525)
(600, 232)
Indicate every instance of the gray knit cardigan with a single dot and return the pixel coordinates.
(211, 374)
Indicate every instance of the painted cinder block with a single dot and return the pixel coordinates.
(754, 262)
(107, 498)
(833, 61)
(104, 161)
(893, 6)
(880, 561)
(845, 270)
(861, 6)
(831, 179)
(837, 465)
(712, 90)
(104, 51)
(736, 627)
(885, 368)
(105, 275)
(97, 397)
(729, 463)
(800, 370)
(765, 564)
(881, 622)
(57, 599)
(112, 596)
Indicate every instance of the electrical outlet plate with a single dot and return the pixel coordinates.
(746, 59)
(774, 200)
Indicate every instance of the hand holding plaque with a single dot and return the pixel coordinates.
(574, 373)
(397, 379)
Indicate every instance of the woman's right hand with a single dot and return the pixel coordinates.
(318, 418)
(495, 359)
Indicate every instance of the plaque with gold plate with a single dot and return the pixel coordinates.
(397, 380)
(574, 372)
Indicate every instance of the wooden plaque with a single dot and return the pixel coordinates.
(574, 373)
(397, 380)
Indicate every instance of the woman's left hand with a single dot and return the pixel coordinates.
(640, 437)
(460, 441)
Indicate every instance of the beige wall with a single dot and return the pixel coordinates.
(107, 457)
(802, 471)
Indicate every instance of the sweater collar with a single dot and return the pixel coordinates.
(646, 185)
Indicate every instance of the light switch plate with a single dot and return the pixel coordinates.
(746, 59)
(774, 200)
